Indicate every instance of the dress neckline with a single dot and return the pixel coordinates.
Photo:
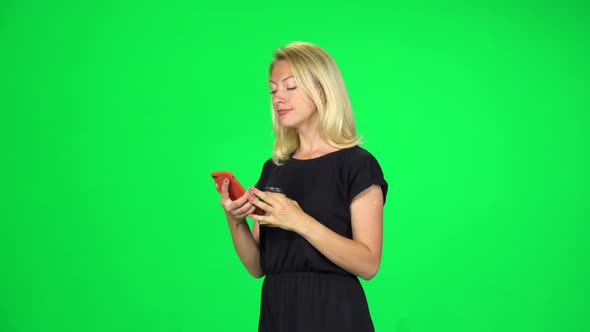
(319, 157)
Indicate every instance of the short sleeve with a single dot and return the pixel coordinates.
(364, 172)
(264, 175)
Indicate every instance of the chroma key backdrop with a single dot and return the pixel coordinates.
(114, 113)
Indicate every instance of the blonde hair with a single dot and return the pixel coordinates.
(319, 76)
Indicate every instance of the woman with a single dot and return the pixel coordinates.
(325, 228)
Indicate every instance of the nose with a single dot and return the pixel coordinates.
(278, 96)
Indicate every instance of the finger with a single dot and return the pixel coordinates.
(224, 191)
(265, 196)
(243, 209)
(258, 203)
(248, 212)
(238, 202)
(262, 220)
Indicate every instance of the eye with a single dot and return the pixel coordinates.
(292, 88)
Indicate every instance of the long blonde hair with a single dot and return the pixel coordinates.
(317, 73)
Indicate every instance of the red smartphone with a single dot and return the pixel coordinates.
(235, 190)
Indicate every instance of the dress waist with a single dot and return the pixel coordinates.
(310, 274)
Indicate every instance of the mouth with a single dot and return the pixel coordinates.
(283, 111)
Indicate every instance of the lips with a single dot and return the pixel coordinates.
(283, 111)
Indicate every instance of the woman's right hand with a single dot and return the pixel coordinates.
(234, 210)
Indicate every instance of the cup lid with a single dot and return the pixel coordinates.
(273, 189)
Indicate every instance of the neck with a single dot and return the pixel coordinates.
(310, 141)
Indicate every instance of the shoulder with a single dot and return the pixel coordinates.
(357, 155)
(268, 165)
(360, 152)
(264, 173)
(363, 171)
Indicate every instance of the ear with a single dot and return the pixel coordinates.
(319, 88)
(322, 95)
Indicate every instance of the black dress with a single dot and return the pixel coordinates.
(303, 291)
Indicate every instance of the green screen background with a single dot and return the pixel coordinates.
(113, 114)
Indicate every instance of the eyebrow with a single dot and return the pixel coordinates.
(283, 80)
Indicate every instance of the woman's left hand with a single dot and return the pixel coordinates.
(280, 210)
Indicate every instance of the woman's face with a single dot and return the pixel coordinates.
(294, 108)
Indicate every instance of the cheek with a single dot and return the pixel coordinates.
(305, 101)
(310, 105)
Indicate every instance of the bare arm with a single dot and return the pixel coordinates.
(245, 241)
(360, 255)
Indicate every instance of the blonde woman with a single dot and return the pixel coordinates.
(323, 198)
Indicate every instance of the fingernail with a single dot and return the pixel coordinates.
(226, 180)
(251, 188)
(251, 198)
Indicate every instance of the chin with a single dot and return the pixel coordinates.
(287, 124)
